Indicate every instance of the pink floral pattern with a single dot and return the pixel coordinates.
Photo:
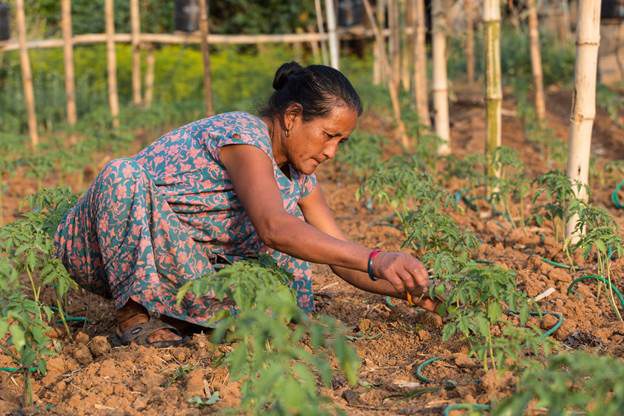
(150, 223)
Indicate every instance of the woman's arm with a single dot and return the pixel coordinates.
(251, 172)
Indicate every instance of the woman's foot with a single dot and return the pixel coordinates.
(133, 314)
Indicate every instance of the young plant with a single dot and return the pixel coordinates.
(361, 153)
(278, 371)
(510, 182)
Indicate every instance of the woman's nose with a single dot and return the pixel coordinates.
(330, 151)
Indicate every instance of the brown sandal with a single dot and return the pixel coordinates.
(140, 334)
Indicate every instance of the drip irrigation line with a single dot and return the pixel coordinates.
(421, 367)
(464, 406)
(601, 279)
(68, 318)
(556, 263)
(16, 369)
(615, 197)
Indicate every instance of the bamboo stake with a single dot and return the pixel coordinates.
(394, 40)
(298, 47)
(314, 46)
(393, 88)
(493, 88)
(203, 28)
(321, 30)
(135, 23)
(113, 98)
(536, 62)
(378, 70)
(470, 68)
(440, 81)
(333, 38)
(27, 82)
(150, 62)
(68, 55)
(420, 63)
(583, 100)
(406, 45)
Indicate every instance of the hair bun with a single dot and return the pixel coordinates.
(284, 72)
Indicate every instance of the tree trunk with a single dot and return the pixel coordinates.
(135, 23)
(420, 63)
(440, 81)
(113, 98)
(470, 68)
(203, 28)
(27, 82)
(150, 62)
(321, 29)
(393, 87)
(493, 88)
(583, 99)
(334, 46)
(536, 62)
(68, 55)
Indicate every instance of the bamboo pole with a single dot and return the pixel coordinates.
(298, 47)
(68, 55)
(420, 63)
(440, 81)
(394, 40)
(406, 46)
(378, 70)
(333, 38)
(583, 99)
(113, 98)
(470, 68)
(314, 46)
(27, 82)
(536, 62)
(493, 87)
(393, 88)
(150, 62)
(135, 23)
(203, 28)
(320, 24)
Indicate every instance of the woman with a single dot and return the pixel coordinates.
(221, 189)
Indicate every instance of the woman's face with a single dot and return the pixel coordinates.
(310, 143)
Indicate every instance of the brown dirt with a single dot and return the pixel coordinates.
(88, 377)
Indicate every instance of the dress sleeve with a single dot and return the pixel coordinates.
(308, 184)
(236, 128)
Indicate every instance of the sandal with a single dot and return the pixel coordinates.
(140, 334)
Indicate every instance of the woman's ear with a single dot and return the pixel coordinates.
(294, 111)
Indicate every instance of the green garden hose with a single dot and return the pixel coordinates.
(556, 263)
(465, 406)
(601, 279)
(16, 370)
(421, 367)
(615, 195)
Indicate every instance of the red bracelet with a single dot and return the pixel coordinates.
(371, 256)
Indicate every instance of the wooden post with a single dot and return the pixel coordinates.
(536, 62)
(393, 88)
(135, 23)
(406, 44)
(321, 30)
(68, 55)
(420, 64)
(150, 61)
(378, 70)
(314, 46)
(470, 68)
(333, 38)
(27, 82)
(113, 98)
(203, 28)
(493, 88)
(395, 40)
(584, 99)
(298, 47)
(440, 81)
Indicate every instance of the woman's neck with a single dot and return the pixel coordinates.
(276, 134)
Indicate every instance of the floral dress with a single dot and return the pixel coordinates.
(169, 214)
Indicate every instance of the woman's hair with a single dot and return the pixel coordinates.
(317, 88)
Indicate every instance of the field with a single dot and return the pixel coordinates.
(522, 328)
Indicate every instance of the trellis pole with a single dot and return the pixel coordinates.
(113, 98)
(135, 27)
(583, 100)
(27, 82)
(394, 40)
(420, 63)
(440, 81)
(470, 68)
(150, 63)
(493, 87)
(536, 62)
(68, 56)
(203, 28)
(378, 70)
(333, 38)
(320, 24)
(393, 87)
(406, 44)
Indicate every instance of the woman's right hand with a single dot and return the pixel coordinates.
(404, 272)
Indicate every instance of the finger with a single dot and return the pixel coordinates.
(408, 281)
(396, 282)
(421, 275)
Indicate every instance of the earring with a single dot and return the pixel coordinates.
(287, 132)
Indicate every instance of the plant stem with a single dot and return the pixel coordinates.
(27, 398)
